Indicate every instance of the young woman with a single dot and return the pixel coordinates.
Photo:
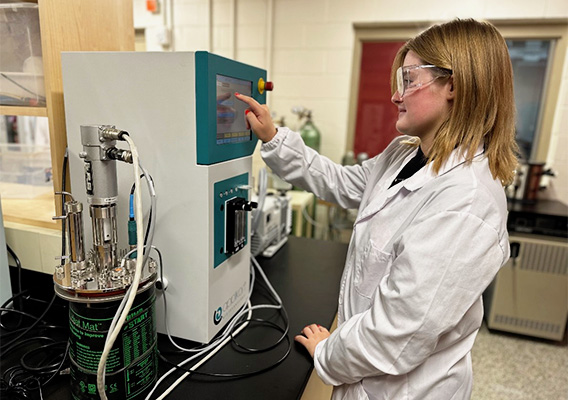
(430, 234)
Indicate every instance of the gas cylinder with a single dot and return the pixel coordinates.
(310, 133)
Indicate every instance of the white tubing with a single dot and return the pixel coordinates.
(134, 287)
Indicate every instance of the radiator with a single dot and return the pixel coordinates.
(529, 295)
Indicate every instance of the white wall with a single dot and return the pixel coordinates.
(307, 50)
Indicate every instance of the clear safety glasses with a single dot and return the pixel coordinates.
(411, 77)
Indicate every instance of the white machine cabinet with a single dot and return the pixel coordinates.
(529, 296)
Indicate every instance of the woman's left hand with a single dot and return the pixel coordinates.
(313, 334)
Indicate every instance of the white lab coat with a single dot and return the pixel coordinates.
(421, 255)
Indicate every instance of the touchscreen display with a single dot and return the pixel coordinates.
(231, 124)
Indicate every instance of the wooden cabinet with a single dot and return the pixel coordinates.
(67, 25)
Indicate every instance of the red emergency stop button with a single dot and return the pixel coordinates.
(262, 86)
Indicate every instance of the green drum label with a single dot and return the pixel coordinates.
(132, 363)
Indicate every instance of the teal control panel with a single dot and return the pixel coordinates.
(222, 134)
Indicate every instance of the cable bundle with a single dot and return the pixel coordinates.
(236, 326)
(31, 357)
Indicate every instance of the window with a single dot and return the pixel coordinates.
(530, 59)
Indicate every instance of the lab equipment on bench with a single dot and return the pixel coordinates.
(530, 180)
(104, 287)
(529, 295)
(272, 220)
(192, 135)
(274, 224)
(98, 274)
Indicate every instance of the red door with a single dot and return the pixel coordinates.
(376, 115)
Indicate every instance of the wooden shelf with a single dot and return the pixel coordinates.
(23, 110)
(37, 211)
(66, 25)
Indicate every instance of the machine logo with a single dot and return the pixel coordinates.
(229, 304)
(217, 316)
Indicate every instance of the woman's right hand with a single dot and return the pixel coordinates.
(258, 118)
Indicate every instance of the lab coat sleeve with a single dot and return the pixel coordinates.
(441, 268)
(288, 156)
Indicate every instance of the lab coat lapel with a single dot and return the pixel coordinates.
(381, 196)
(379, 201)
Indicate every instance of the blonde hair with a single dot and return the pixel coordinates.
(483, 109)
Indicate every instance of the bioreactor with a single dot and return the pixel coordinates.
(192, 138)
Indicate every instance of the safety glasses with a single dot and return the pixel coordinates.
(411, 77)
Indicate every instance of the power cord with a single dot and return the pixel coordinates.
(19, 268)
(242, 374)
(5, 345)
(131, 294)
(38, 365)
(234, 327)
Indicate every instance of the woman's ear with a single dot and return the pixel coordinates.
(450, 88)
